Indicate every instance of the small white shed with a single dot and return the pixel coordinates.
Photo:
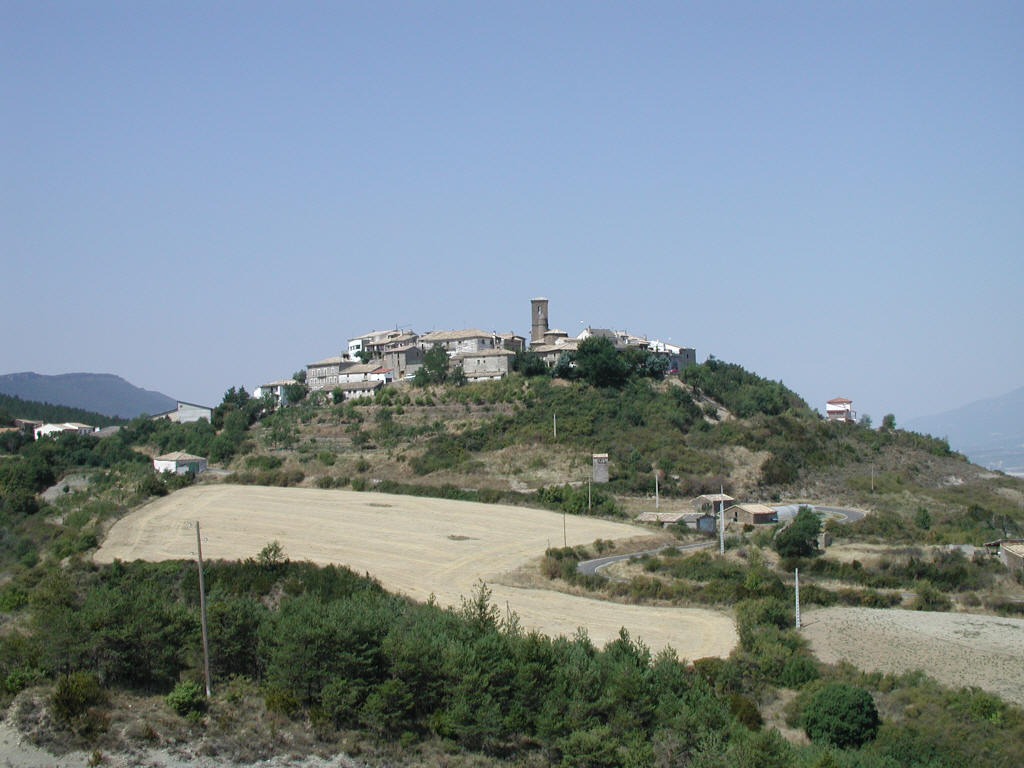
(179, 463)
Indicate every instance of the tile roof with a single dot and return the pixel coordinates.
(468, 333)
(179, 456)
(488, 353)
(660, 517)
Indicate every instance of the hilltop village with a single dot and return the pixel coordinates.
(376, 359)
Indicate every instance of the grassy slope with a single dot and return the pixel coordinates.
(500, 435)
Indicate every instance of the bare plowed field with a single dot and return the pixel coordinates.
(415, 546)
(958, 649)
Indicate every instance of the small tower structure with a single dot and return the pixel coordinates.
(538, 320)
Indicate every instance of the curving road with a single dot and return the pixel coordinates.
(591, 567)
(840, 514)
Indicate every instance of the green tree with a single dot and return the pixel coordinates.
(923, 519)
(434, 369)
(797, 539)
(295, 393)
(529, 364)
(600, 364)
(841, 714)
(889, 421)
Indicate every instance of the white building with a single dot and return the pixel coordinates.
(353, 389)
(356, 372)
(184, 413)
(377, 342)
(179, 463)
(275, 389)
(454, 342)
(73, 427)
(840, 409)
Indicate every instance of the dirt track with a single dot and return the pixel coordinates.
(958, 649)
(416, 546)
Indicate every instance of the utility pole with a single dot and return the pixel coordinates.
(872, 478)
(656, 489)
(721, 521)
(554, 425)
(796, 584)
(565, 540)
(202, 610)
(588, 493)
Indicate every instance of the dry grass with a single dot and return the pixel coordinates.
(420, 547)
(957, 649)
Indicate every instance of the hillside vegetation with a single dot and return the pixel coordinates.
(339, 664)
(13, 407)
(715, 426)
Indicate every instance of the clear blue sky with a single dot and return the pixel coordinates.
(201, 195)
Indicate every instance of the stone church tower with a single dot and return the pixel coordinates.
(539, 320)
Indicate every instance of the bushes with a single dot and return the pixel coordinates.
(278, 477)
(797, 539)
(187, 699)
(75, 694)
(840, 714)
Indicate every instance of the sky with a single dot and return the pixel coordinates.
(198, 195)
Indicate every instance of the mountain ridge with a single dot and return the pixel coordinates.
(104, 393)
(990, 431)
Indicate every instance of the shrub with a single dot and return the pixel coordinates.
(796, 540)
(799, 669)
(840, 714)
(929, 598)
(187, 698)
(744, 709)
(74, 694)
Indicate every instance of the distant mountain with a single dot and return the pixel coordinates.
(99, 392)
(14, 407)
(990, 432)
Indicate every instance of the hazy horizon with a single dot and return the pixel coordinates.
(201, 196)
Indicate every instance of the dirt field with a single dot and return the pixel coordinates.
(958, 649)
(416, 546)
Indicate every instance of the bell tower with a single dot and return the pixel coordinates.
(538, 320)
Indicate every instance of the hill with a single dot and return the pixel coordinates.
(715, 426)
(12, 407)
(100, 392)
(989, 431)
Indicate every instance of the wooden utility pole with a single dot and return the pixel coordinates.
(202, 609)
(554, 425)
(655, 489)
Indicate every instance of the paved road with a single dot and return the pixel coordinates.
(841, 514)
(593, 566)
